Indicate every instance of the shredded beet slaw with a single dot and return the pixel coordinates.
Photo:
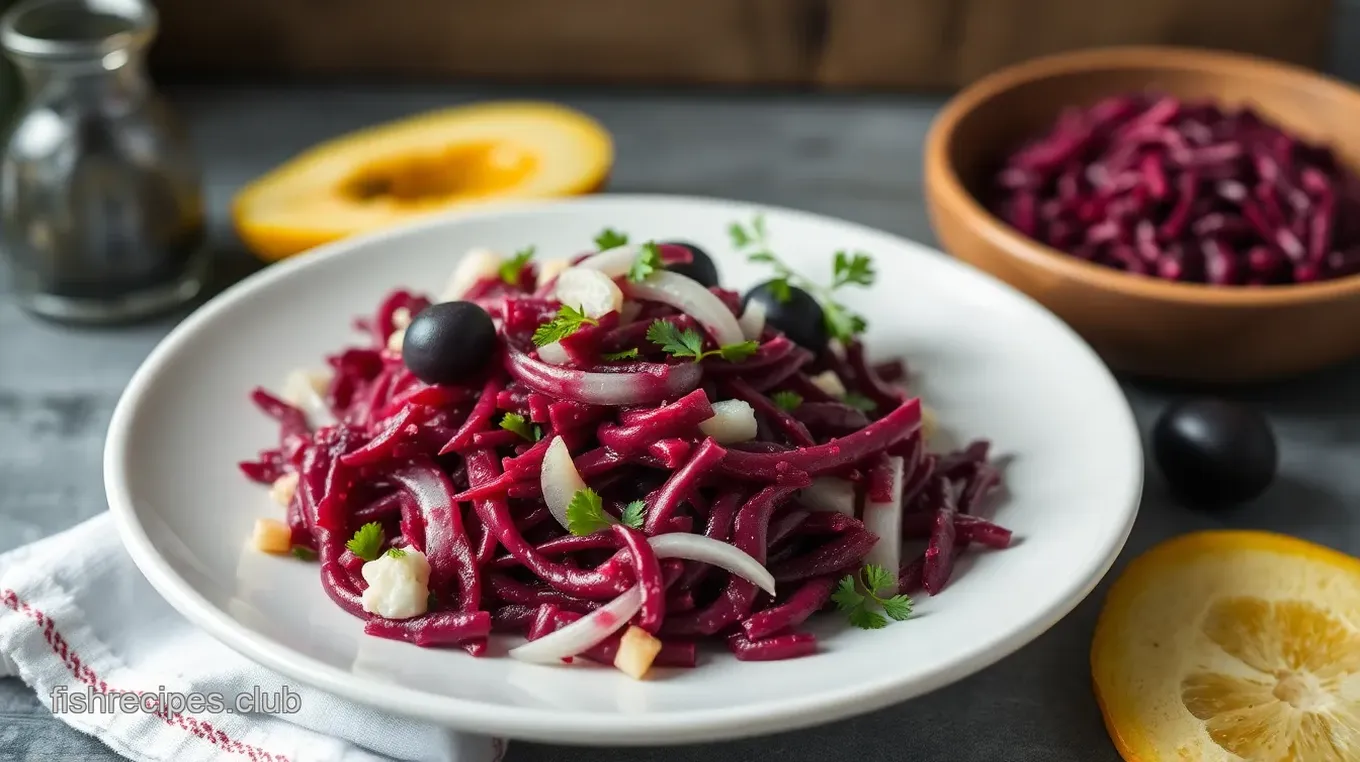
(721, 513)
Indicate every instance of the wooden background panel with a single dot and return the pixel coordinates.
(882, 44)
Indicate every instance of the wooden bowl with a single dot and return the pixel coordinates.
(1140, 324)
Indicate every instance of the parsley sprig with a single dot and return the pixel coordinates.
(396, 553)
(648, 261)
(690, 343)
(609, 238)
(848, 269)
(518, 424)
(367, 541)
(512, 267)
(569, 320)
(857, 605)
(787, 401)
(860, 402)
(627, 354)
(586, 513)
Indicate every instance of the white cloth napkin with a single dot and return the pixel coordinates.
(77, 616)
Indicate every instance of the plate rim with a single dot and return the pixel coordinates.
(545, 724)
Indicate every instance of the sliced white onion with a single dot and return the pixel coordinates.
(829, 493)
(696, 547)
(551, 268)
(669, 382)
(613, 262)
(305, 390)
(590, 291)
(476, 265)
(559, 479)
(689, 296)
(583, 634)
(554, 354)
(830, 383)
(752, 320)
(885, 520)
(733, 421)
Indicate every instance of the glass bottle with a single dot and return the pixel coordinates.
(101, 210)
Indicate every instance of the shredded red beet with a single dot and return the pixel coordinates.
(1186, 191)
(446, 470)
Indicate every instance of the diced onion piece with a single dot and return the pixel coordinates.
(305, 390)
(551, 268)
(615, 262)
(395, 341)
(752, 320)
(830, 383)
(697, 547)
(559, 479)
(554, 354)
(732, 421)
(829, 493)
(590, 291)
(689, 296)
(637, 651)
(283, 488)
(401, 317)
(272, 536)
(885, 520)
(652, 384)
(930, 423)
(583, 634)
(476, 265)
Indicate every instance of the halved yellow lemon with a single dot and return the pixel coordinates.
(1229, 646)
(402, 170)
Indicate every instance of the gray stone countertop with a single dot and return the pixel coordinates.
(857, 157)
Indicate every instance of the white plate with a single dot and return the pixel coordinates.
(992, 362)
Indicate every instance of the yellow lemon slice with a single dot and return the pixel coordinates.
(405, 169)
(1229, 646)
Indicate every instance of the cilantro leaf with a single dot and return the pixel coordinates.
(860, 402)
(627, 354)
(866, 618)
(840, 322)
(876, 578)
(741, 238)
(518, 424)
(609, 238)
(303, 554)
(568, 321)
(675, 342)
(396, 553)
(634, 514)
(846, 596)
(511, 268)
(857, 269)
(737, 352)
(367, 541)
(898, 607)
(585, 513)
(647, 262)
(781, 290)
(787, 401)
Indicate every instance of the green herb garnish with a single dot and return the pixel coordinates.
(627, 354)
(856, 605)
(860, 402)
(647, 262)
(690, 343)
(609, 238)
(847, 269)
(568, 321)
(518, 424)
(511, 268)
(367, 541)
(303, 554)
(395, 553)
(787, 401)
(586, 514)
(633, 514)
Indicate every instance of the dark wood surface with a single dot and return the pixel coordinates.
(854, 157)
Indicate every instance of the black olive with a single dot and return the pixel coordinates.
(799, 316)
(449, 342)
(1214, 452)
(701, 269)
